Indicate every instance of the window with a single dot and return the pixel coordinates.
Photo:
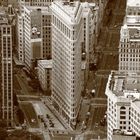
(122, 112)
(4, 30)
(122, 117)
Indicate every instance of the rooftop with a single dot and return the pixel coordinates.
(134, 32)
(124, 84)
(3, 16)
(36, 13)
(68, 10)
(37, 8)
(133, 3)
(35, 32)
(133, 20)
(136, 102)
(87, 7)
(45, 63)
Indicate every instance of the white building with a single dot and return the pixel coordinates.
(122, 89)
(6, 68)
(129, 51)
(67, 27)
(89, 28)
(135, 116)
(34, 34)
(44, 74)
(38, 3)
(46, 31)
(100, 8)
(20, 36)
(35, 2)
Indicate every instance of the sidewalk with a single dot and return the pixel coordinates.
(85, 106)
(45, 111)
(49, 105)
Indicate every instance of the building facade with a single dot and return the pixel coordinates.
(6, 61)
(90, 17)
(34, 34)
(20, 37)
(135, 116)
(46, 31)
(35, 2)
(44, 74)
(67, 27)
(129, 57)
(7, 74)
(122, 92)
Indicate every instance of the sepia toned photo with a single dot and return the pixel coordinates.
(70, 69)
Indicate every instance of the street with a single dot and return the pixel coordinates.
(107, 50)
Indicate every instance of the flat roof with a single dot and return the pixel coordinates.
(39, 8)
(45, 63)
(122, 83)
(3, 16)
(133, 3)
(69, 7)
(70, 11)
(132, 20)
(134, 31)
(137, 102)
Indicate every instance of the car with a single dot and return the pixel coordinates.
(18, 127)
(45, 125)
(85, 97)
(96, 125)
(42, 120)
(10, 129)
(52, 125)
(47, 116)
(105, 116)
(102, 123)
(33, 120)
(93, 92)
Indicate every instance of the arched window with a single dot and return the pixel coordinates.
(122, 108)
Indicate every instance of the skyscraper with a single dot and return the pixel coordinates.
(6, 67)
(35, 2)
(123, 93)
(46, 30)
(67, 31)
(122, 89)
(129, 50)
(34, 34)
(20, 37)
